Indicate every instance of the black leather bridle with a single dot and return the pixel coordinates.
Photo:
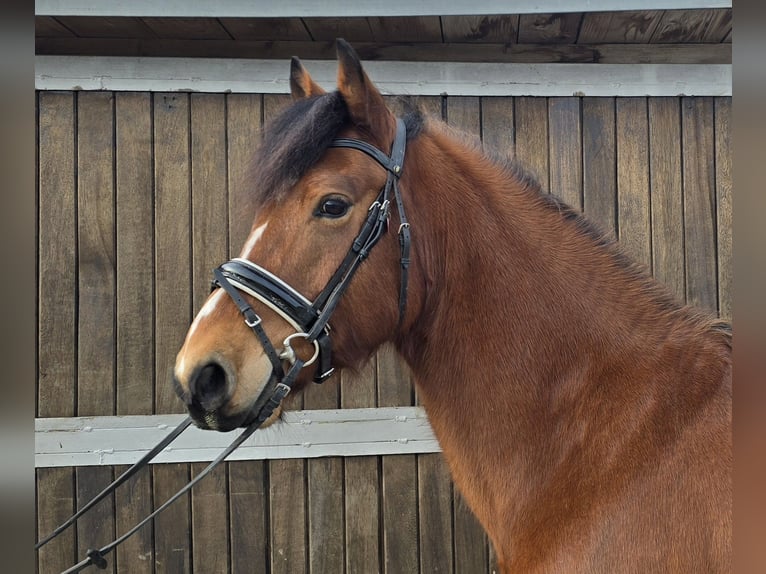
(310, 319)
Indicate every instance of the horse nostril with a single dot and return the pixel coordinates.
(209, 388)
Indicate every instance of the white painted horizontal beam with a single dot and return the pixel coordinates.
(401, 78)
(349, 8)
(92, 441)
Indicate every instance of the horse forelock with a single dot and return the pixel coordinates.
(296, 138)
(294, 141)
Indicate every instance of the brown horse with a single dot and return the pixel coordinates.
(584, 414)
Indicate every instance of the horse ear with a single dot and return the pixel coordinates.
(366, 106)
(301, 84)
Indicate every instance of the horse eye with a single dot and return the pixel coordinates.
(332, 207)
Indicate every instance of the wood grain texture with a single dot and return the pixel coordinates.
(565, 150)
(265, 28)
(55, 504)
(531, 116)
(693, 26)
(244, 118)
(287, 498)
(361, 481)
(57, 263)
(173, 264)
(132, 503)
(405, 29)
(667, 195)
(56, 348)
(187, 28)
(633, 179)
(435, 514)
(134, 220)
(249, 516)
(470, 542)
(210, 521)
(328, 29)
(599, 162)
(95, 529)
(49, 27)
(549, 28)
(172, 528)
(632, 26)
(398, 473)
(106, 27)
(679, 53)
(325, 491)
(209, 191)
(502, 29)
(724, 205)
(96, 254)
(498, 132)
(699, 201)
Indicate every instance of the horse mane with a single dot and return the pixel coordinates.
(298, 136)
(605, 243)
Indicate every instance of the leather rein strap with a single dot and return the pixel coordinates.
(241, 275)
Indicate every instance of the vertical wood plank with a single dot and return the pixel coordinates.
(244, 117)
(600, 163)
(248, 511)
(361, 481)
(634, 228)
(470, 544)
(57, 256)
(135, 306)
(325, 492)
(172, 533)
(135, 253)
(96, 254)
(699, 201)
(531, 116)
(435, 514)
(565, 150)
(209, 191)
(723, 187)
(209, 248)
(173, 265)
(173, 268)
(210, 521)
(667, 196)
(96, 527)
(96, 289)
(288, 516)
(248, 480)
(498, 132)
(56, 312)
(469, 541)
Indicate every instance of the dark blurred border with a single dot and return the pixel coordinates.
(749, 55)
(17, 222)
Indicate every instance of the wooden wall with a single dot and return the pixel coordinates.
(137, 203)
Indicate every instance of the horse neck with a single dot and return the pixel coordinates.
(521, 310)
